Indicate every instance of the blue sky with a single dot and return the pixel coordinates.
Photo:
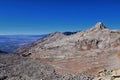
(45, 16)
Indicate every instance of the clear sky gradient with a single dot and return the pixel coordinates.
(45, 16)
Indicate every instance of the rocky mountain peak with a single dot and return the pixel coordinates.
(98, 26)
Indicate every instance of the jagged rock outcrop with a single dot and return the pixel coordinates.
(87, 51)
(108, 75)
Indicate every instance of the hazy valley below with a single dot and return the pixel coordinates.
(10, 43)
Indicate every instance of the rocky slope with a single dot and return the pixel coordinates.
(87, 51)
(13, 67)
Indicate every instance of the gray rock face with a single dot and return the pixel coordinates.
(85, 51)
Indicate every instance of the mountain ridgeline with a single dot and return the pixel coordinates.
(86, 51)
(95, 52)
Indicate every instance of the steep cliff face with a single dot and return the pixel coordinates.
(86, 51)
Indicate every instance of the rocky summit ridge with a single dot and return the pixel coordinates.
(88, 51)
(99, 26)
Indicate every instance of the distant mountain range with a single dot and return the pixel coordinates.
(9, 43)
(3, 52)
